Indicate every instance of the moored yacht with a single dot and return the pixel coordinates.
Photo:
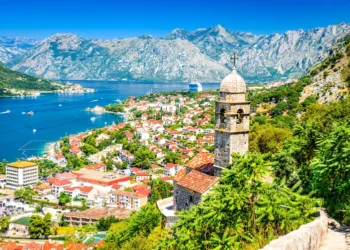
(195, 86)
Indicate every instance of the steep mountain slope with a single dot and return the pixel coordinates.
(11, 47)
(331, 76)
(67, 56)
(202, 55)
(265, 57)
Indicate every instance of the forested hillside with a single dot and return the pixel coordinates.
(10, 79)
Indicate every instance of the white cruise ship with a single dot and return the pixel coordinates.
(195, 86)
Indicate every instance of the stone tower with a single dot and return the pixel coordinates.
(231, 120)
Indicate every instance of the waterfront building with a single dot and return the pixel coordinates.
(21, 174)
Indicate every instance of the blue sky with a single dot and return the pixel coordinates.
(112, 19)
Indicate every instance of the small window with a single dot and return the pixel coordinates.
(239, 116)
(222, 116)
(191, 198)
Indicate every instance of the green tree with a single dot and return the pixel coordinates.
(63, 199)
(144, 157)
(243, 211)
(4, 223)
(331, 173)
(39, 226)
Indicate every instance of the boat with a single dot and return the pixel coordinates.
(195, 86)
(7, 111)
(30, 113)
(23, 113)
(60, 105)
(34, 130)
(93, 118)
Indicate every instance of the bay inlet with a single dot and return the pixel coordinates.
(59, 115)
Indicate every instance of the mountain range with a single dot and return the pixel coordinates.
(202, 55)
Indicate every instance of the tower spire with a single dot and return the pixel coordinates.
(234, 58)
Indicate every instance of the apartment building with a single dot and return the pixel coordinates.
(21, 174)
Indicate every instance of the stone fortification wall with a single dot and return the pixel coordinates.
(307, 237)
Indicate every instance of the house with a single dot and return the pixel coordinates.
(58, 186)
(129, 136)
(126, 156)
(76, 151)
(98, 167)
(129, 200)
(43, 188)
(144, 117)
(141, 176)
(59, 159)
(171, 169)
(86, 192)
(191, 183)
(102, 137)
(135, 170)
(142, 133)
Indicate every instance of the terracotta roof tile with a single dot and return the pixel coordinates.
(197, 181)
(201, 160)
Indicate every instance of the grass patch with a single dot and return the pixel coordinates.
(22, 221)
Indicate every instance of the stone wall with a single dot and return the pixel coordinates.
(184, 198)
(307, 237)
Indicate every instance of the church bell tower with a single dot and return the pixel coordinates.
(231, 120)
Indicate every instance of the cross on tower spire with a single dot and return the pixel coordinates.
(234, 58)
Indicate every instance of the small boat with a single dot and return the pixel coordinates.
(93, 118)
(34, 131)
(60, 105)
(7, 111)
(30, 113)
(23, 113)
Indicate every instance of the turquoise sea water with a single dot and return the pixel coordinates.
(58, 115)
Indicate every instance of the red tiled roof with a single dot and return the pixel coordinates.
(128, 134)
(181, 173)
(76, 246)
(66, 176)
(59, 156)
(201, 160)
(61, 183)
(170, 165)
(135, 169)
(155, 166)
(131, 194)
(96, 166)
(141, 186)
(167, 178)
(197, 181)
(52, 180)
(32, 246)
(142, 174)
(75, 150)
(52, 246)
(144, 192)
(116, 186)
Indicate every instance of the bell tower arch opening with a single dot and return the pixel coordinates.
(222, 116)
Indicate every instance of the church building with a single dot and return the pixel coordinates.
(232, 113)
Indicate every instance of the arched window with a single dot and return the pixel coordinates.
(239, 116)
(222, 116)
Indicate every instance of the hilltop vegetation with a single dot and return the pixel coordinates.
(10, 79)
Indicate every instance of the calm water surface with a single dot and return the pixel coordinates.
(58, 115)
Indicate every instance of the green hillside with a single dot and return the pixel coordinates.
(10, 79)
